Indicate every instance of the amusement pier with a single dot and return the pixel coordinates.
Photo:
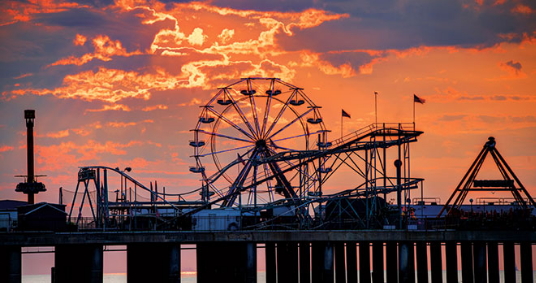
(265, 162)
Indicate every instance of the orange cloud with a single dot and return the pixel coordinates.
(23, 76)
(23, 11)
(114, 107)
(105, 49)
(522, 9)
(109, 85)
(5, 148)
(223, 54)
(79, 40)
(155, 107)
(60, 134)
(54, 157)
(226, 35)
(124, 125)
(311, 59)
(121, 124)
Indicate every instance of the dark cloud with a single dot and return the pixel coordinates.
(354, 59)
(530, 119)
(515, 65)
(498, 97)
(492, 119)
(396, 24)
(450, 118)
(273, 5)
(73, 18)
(477, 97)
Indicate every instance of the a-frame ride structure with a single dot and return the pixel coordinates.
(469, 183)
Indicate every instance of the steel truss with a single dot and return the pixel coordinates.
(509, 182)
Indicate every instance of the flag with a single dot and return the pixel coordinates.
(240, 159)
(345, 114)
(418, 99)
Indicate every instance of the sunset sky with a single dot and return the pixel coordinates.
(120, 83)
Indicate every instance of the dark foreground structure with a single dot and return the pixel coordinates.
(263, 180)
(291, 256)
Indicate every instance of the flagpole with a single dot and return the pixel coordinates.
(376, 106)
(414, 112)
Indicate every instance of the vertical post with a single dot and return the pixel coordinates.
(451, 259)
(322, 262)
(340, 262)
(479, 262)
(10, 264)
(317, 262)
(509, 262)
(467, 261)
(526, 262)
(78, 263)
(251, 262)
(422, 262)
(392, 261)
(398, 165)
(271, 270)
(232, 269)
(493, 262)
(406, 257)
(364, 262)
(287, 262)
(162, 260)
(436, 263)
(328, 263)
(29, 115)
(377, 262)
(305, 262)
(351, 262)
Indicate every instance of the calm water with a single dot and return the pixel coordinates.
(187, 277)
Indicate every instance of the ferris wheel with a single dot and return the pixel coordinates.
(241, 134)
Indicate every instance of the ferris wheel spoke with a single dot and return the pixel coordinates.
(291, 123)
(253, 106)
(254, 114)
(281, 112)
(266, 115)
(214, 134)
(230, 123)
(226, 150)
(298, 136)
(243, 116)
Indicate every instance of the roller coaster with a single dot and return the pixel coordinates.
(261, 148)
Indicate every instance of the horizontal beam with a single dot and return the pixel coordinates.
(190, 237)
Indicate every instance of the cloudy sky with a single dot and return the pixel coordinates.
(120, 83)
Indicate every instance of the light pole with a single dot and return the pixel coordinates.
(471, 201)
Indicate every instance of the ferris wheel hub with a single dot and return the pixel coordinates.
(260, 143)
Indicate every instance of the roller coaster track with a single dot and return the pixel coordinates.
(361, 139)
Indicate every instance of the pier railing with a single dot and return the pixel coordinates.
(476, 221)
